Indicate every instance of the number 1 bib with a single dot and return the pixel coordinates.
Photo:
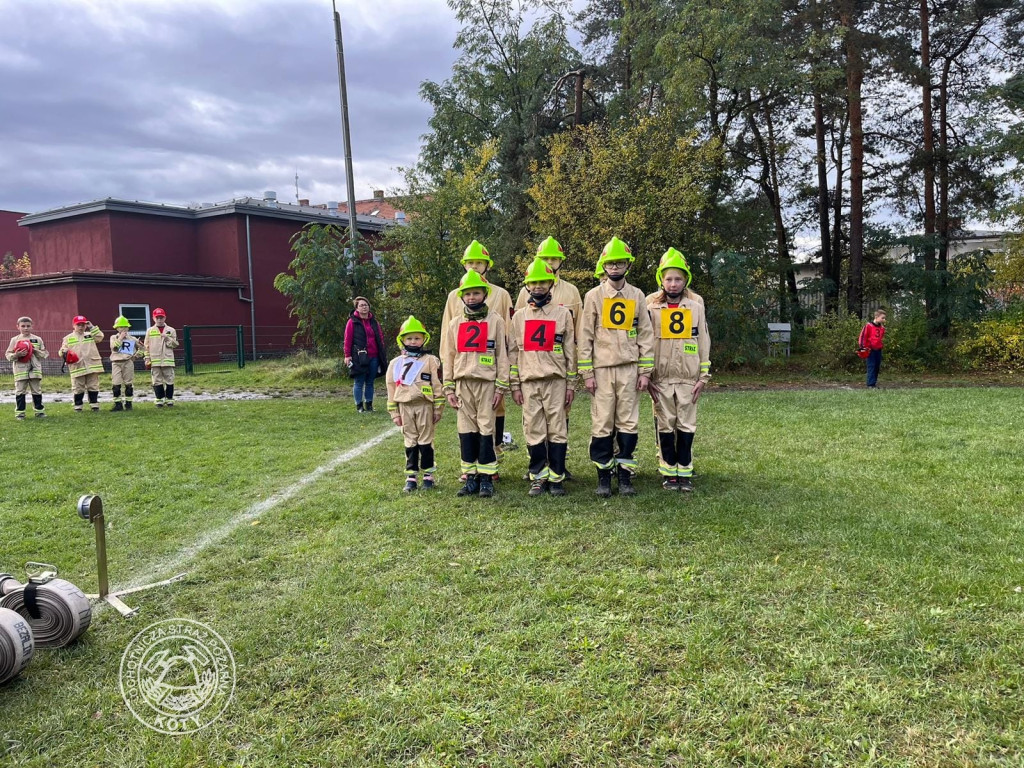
(618, 314)
(408, 371)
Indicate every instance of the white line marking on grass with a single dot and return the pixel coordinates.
(256, 510)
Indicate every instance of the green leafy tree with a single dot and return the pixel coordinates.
(640, 182)
(423, 258)
(323, 278)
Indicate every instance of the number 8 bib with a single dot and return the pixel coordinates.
(676, 323)
(618, 314)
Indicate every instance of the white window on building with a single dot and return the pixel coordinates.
(138, 316)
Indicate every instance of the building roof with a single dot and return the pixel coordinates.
(240, 205)
(380, 207)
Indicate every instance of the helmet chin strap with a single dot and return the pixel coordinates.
(674, 296)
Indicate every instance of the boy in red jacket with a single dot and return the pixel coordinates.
(871, 337)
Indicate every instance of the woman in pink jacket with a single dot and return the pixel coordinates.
(364, 353)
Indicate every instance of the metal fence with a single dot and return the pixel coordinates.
(213, 348)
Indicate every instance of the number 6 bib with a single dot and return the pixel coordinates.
(618, 314)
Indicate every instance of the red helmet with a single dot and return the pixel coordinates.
(23, 351)
(79, 319)
(158, 312)
(863, 353)
(70, 357)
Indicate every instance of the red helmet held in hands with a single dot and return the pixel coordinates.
(23, 351)
(70, 357)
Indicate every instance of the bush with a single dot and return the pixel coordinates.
(911, 346)
(832, 343)
(737, 311)
(993, 345)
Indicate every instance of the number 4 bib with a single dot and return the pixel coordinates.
(539, 336)
(618, 314)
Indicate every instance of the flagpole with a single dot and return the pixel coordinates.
(346, 131)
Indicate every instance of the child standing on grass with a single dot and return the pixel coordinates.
(476, 378)
(124, 348)
(26, 353)
(83, 359)
(161, 341)
(476, 258)
(542, 364)
(616, 357)
(414, 401)
(682, 368)
(872, 336)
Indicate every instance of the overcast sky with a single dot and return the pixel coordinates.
(181, 101)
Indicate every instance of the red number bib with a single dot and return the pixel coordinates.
(539, 336)
(472, 337)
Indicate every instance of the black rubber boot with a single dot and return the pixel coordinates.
(37, 406)
(626, 482)
(79, 398)
(129, 392)
(158, 390)
(19, 406)
(170, 395)
(604, 483)
(486, 486)
(94, 401)
(538, 459)
(556, 459)
(116, 391)
(471, 487)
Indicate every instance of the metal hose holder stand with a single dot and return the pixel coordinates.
(90, 509)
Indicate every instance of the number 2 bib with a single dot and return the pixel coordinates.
(472, 337)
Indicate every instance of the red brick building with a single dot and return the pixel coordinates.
(212, 264)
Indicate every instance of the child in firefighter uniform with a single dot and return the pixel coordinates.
(477, 259)
(682, 368)
(124, 348)
(161, 341)
(415, 402)
(542, 364)
(83, 359)
(26, 353)
(476, 378)
(616, 357)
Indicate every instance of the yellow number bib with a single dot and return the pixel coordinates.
(676, 323)
(618, 314)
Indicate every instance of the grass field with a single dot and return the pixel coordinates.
(843, 588)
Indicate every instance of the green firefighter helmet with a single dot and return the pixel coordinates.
(550, 249)
(614, 250)
(475, 251)
(412, 325)
(473, 279)
(538, 272)
(122, 322)
(673, 259)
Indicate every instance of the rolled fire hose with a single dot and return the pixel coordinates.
(16, 644)
(57, 611)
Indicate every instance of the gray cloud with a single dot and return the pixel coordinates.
(189, 101)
